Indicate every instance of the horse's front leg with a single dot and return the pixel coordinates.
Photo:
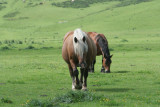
(75, 79)
(81, 77)
(102, 69)
(72, 76)
(77, 85)
(84, 86)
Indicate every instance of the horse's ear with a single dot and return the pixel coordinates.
(84, 39)
(111, 56)
(75, 40)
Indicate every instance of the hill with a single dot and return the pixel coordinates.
(41, 22)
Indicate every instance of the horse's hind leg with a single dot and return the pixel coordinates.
(91, 67)
(78, 85)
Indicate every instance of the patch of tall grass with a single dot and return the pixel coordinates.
(10, 15)
(67, 98)
(6, 100)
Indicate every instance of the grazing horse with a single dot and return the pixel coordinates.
(78, 50)
(102, 49)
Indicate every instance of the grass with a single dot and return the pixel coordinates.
(6, 100)
(33, 75)
(2, 7)
(10, 15)
(77, 96)
(67, 98)
(32, 70)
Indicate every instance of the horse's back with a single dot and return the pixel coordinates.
(94, 36)
(102, 35)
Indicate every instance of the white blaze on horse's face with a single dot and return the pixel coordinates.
(79, 43)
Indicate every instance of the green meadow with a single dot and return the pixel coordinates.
(33, 73)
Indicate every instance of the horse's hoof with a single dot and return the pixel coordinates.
(107, 71)
(73, 89)
(91, 71)
(84, 88)
(102, 71)
(78, 86)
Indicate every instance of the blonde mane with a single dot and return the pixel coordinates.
(80, 46)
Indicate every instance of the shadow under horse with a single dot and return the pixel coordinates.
(102, 49)
(78, 50)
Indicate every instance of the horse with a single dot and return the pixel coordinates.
(78, 50)
(102, 49)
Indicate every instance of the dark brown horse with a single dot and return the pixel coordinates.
(102, 49)
(78, 50)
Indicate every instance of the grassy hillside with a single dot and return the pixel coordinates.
(31, 66)
(46, 24)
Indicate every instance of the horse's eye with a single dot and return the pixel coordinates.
(84, 39)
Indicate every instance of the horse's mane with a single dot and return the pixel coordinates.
(80, 47)
(103, 44)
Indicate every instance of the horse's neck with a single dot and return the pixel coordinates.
(104, 46)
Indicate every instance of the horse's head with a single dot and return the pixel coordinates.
(107, 63)
(80, 46)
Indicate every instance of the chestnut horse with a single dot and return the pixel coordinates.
(102, 49)
(78, 50)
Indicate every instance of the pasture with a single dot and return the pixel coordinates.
(31, 64)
